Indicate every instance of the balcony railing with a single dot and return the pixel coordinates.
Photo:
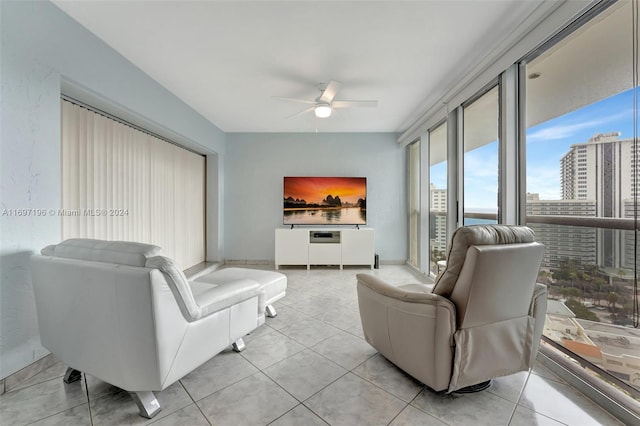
(485, 216)
(624, 224)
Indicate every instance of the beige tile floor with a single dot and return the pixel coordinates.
(308, 366)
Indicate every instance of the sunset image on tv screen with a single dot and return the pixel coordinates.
(325, 200)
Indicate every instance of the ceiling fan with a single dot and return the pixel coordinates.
(324, 104)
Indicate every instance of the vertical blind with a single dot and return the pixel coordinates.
(119, 183)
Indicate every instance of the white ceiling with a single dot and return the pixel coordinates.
(228, 59)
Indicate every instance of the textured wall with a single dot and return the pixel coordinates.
(30, 179)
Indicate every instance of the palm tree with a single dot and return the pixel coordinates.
(612, 298)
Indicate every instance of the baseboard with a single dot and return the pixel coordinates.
(14, 380)
(393, 262)
(424, 278)
(261, 262)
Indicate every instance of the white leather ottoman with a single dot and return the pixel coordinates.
(273, 285)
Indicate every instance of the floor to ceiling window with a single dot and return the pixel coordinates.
(581, 189)
(481, 153)
(437, 197)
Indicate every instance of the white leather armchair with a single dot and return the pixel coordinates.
(124, 314)
(483, 318)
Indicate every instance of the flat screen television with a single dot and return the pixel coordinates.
(312, 200)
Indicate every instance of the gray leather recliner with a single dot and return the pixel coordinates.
(483, 318)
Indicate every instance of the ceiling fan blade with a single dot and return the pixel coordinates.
(304, 101)
(330, 91)
(301, 112)
(354, 104)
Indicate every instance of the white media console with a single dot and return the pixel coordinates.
(306, 246)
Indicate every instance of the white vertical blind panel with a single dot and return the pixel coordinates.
(150, 190)
(189, 190)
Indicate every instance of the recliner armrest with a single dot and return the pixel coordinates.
(409, 326)
(539, 291)
(213, 298)
(415, 293)
(538, 310)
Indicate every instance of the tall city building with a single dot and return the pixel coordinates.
(564, 242)
(628, 255)
(601, 170)
(438, 218)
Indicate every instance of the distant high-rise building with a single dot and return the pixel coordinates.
(563, 242)
(601, 170)
(628, 256)
(438, 218)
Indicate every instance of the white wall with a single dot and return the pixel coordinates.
(256, 163)
(42, 49)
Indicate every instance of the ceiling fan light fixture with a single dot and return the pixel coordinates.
(323, 110)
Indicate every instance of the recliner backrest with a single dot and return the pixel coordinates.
(490, 274)
(496, 283)
(476, 235)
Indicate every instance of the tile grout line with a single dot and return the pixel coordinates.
(399, 412)
(525, 407)
(86, 388)
(55, 414)
(515, 407)
(293, 306)
(30, 386)
(194, 402)
(425, 387)
(58, 412)
(324, 387)
(300, 402)
(367, 380)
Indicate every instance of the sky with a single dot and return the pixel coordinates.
(546, 144)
